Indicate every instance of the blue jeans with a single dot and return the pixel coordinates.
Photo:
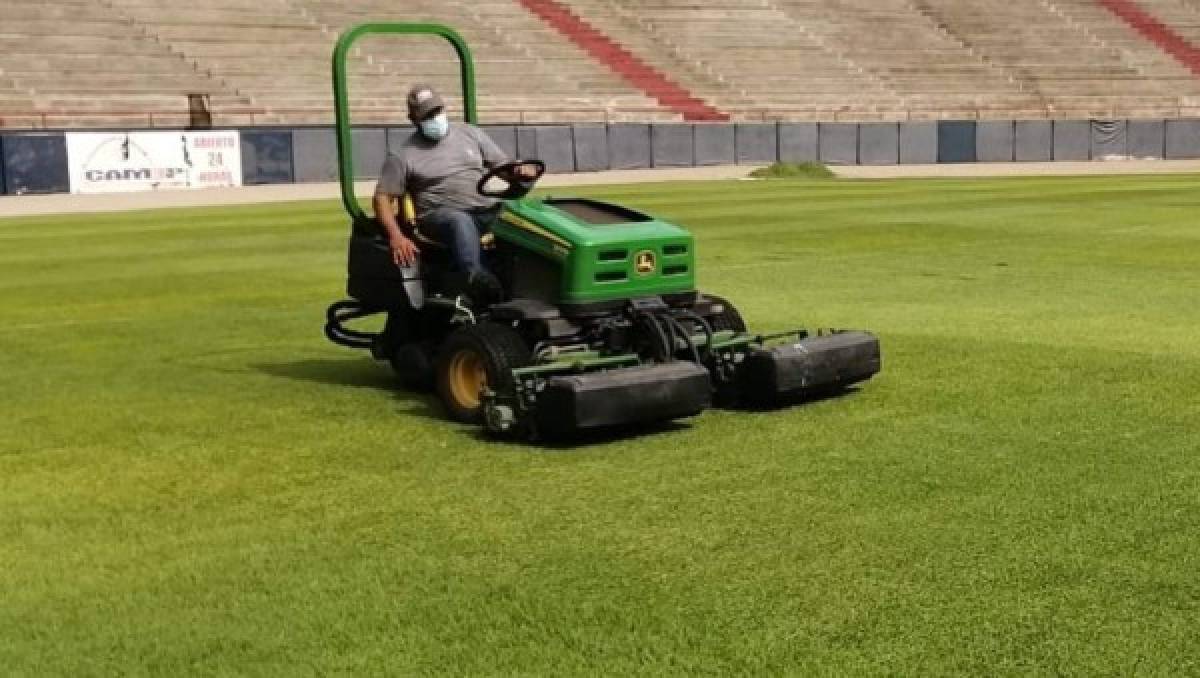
(459, 231)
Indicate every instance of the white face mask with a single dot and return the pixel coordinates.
(436, 127)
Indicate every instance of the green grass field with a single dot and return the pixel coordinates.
(194, 482)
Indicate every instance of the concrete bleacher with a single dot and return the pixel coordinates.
(934, 73)
(79, 64)
(742, 57)
(287, 72)
(1181, 19)
(525, 71)
(1078, 57)
(1183, 16)
(905, 59)
(134, 63)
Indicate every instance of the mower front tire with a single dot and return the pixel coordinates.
(728, 318)
(472, 359)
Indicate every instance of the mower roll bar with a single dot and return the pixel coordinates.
(341, 99)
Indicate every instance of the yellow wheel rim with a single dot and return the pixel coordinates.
(468, 378)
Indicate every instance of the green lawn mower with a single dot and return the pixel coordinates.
(600, 323)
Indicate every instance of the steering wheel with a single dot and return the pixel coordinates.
(517, 185)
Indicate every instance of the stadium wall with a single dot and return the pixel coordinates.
(38, 162)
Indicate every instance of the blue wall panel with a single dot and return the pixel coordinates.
(837, 143)
(1072, 140)
(798, 142)
(878, 143)
(629, 146)
(671, 146)
(1033, 141)
(1147, 138)
(555, 147)
(956, 141)
(267, 157)
(314, 154)
(505, 137)
(397, 136)
(527, 143)
(715, 145)
(370, 150)
(756, 143)
(35, 163)
(3, 190)
(1183, 139)
(591, 147)
(1109, 139)
(994, 140)
(918, 143)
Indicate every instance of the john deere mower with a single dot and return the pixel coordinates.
(600, 323)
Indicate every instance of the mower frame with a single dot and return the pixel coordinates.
(341, 95)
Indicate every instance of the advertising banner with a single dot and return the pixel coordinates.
(112, 162)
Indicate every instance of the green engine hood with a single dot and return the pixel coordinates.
(606, 251)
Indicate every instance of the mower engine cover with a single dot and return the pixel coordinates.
(601, 252)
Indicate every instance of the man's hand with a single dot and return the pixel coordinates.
(527, 171)
(404, 251)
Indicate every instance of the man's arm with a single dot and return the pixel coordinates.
(493, 155)
(391, 185)
(490, 152)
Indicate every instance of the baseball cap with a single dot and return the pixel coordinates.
(423, 100)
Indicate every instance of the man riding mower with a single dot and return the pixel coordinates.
(589, 316)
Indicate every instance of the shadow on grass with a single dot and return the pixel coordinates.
(361, 373)
(365, 373)
(645, 434)
(651, 433)
(789, 402)
(368, 374)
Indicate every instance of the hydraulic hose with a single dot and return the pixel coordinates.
(677, 328)
(705, 326)
(662, 346)
(338, 333)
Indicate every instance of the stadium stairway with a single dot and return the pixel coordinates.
(623, 62)
(527, 72)
(1145, 19)
(744, 57)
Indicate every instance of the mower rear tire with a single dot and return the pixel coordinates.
(474, 358)
(728, 318)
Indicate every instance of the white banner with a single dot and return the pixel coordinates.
(111, 162)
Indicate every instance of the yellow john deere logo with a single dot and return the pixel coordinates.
(643, 263)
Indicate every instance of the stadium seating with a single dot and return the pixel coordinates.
(526, 72)
(1078, 57)
(134, 63)
(743, 57)
(262, 48)
(77, 64)
(1179, 17)
(931, 70)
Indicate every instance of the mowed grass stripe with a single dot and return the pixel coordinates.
(192, 481)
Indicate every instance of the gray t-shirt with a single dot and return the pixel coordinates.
(442, 173)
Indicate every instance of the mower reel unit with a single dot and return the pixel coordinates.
(600, 323)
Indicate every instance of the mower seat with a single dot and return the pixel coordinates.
(408, 218)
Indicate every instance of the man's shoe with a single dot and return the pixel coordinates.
(484, 289)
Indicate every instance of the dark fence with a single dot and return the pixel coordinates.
(37, 162)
